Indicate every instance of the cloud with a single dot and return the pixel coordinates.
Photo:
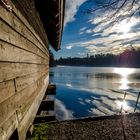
(105, 35)
(81, 33)
(61, 112)
(68, 85)
(111, 38)
(71, 9)
(81, 54)
(83, 29)
(68, 47)
(88, 31)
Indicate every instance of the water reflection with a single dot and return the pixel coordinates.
(124, 83)
(124, 72)
(86, 91)
(123, 104)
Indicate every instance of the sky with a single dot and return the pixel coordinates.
(93, 33)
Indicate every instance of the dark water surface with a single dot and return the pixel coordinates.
(92, 91)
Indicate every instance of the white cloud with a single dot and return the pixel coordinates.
(89, 31)
(81, 54)
(68, 47)
(81, 33)
(68, 85)
(71, 9)
(112, 38)
(83, 29)
(61, 112)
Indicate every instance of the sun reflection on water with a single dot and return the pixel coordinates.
(124, 83)
(124, 73)
(123, 104)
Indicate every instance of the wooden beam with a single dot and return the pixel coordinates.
(44, 118)
(46, 105)
(51, 90)
(51, 87)
(50, 93)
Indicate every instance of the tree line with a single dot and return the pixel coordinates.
(129, 58)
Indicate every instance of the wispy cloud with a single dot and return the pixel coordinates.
(83, 29)
(71, 9)
(108, 38)
(61, 112)
(101, 34)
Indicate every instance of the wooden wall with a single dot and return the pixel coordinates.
(24, 66)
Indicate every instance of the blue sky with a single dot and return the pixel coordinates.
(85, 33)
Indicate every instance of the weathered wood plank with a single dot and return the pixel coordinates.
(8, 35)
(9, 106)
(18, 55)
(12, 70)
(22, 18)
(8, 127)
(7, 89)
(24, 81)
(25, 107)
(17, 25)
(21, 112)
(29, 116)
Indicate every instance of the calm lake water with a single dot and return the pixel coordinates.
(93, 91)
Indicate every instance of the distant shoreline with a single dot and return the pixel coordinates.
(95, 66)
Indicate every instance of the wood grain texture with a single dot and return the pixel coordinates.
(24, 81)
(29, 116)
(7, 89)
(13, 70)
(21, 112)
(18, 55)
(10, 36)
(16, 24)
(9, 106)
(24, 73)
(8, 127)
(26, 23)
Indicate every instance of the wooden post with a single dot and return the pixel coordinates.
(123, 101)
(137, 102)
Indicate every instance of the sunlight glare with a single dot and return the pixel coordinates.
(124, 72)
(123, 104)
(124, 26)
(124, 83)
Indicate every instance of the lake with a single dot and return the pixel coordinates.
(94, 91)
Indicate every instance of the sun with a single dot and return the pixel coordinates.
(124, 26)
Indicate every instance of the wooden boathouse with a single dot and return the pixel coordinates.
(27, 28)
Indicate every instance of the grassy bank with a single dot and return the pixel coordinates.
(40, 132)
